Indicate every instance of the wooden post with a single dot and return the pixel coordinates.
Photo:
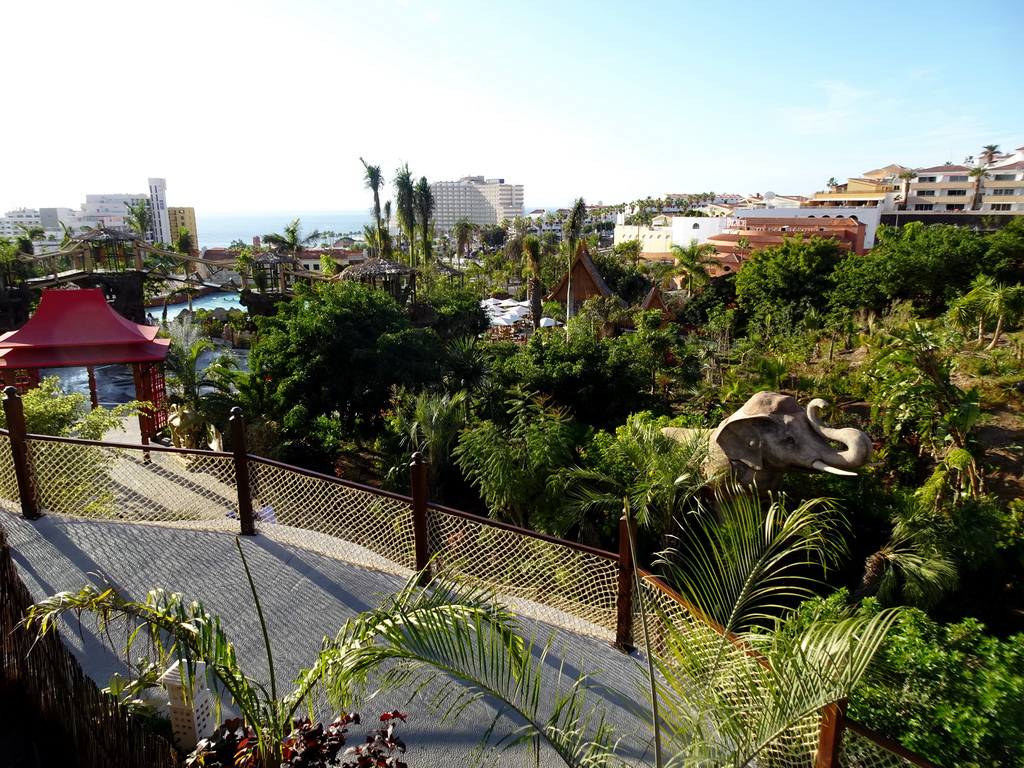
(94, 397)
(15, 413)
(420, 527)
(242, 486)
(830, 737)
(145, 424)
(624, 599)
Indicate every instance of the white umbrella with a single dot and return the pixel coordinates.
(491, 301)
(509, 303)
(517, 312)
(548, 322)
(501, 320)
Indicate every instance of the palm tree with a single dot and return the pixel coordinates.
(907, 176)
(463, 234)
(990, 300)
(725, 695)
(432, 427)
(728, 697)
(989, 152)
(405, 206)
(694, 261)
(291, 241)
(908, 569)
(658, 477)
(139, 215)
(516, 230)
(372, 180)
(423, 198)
(532, 249)
(978, 174)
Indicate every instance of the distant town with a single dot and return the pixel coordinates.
(980, 191)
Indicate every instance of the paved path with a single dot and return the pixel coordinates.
(306, 595)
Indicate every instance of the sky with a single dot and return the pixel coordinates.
(268, 105)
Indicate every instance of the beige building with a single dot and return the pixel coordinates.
(183, 218)
(881, 188)
(482, 201)
(1003, 188)
(942, 188)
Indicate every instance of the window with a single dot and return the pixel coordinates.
(923, 207)
(925, 193)
(926, 179)
(955, 207)
(958, 178)
(1000, 207)
(956, 193)
(1004, 191)
(1004, 177)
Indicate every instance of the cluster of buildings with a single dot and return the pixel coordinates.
(849, 212)
(105, 210)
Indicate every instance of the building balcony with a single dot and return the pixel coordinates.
(1002, 198)
(914, 186)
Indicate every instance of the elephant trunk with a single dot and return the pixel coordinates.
(858, 445)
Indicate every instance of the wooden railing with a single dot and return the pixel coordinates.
(433, 528)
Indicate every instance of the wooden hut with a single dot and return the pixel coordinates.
(581, 282)
(397, 279)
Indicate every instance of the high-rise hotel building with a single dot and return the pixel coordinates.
(482, 201)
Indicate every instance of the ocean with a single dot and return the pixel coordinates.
(219, 230)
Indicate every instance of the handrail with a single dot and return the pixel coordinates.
(887, 743)
(646, 576)
(329, 478)
(156, 447)
(522, 531)
(655, 580)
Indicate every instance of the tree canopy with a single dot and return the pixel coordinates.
(337, 352)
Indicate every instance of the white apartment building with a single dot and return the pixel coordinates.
(656, 240)
(158, 204)
(108, 210)
(942, 188)
(482, 201)
(12, 222)
(1003, 188)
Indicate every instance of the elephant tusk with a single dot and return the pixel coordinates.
(821, 466)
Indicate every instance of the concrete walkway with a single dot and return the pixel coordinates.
(307, 596)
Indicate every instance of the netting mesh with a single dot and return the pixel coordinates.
(545, 580)
(704, 647)
(378, 527)
(8, 482)
(861, 752)
(131, 484)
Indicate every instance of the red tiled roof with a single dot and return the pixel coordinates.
(1019, 165)
(938, 168)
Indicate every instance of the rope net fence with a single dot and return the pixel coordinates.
(355, 524)
(546, 580)
(684, 640)
(861, 752)
(89, 480)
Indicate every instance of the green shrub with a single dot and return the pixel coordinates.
(952, 693)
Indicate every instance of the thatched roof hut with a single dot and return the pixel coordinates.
(447, 269)
(398, 279)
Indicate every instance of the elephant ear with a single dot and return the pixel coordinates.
(738, 439)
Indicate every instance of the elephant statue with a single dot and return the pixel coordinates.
(771, 435)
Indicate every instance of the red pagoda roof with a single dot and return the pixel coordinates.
(78, 327)
(73, 318)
